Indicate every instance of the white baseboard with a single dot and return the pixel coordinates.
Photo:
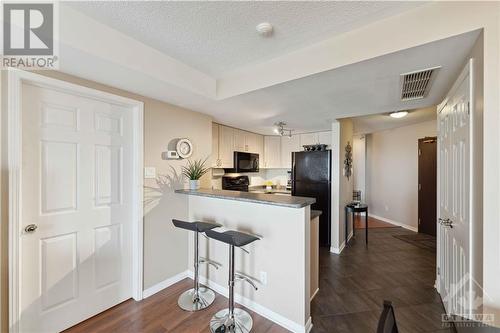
(314, 294)
(399, 224)
(164, 284)
(309, 325)
(257, 308)
(338, 250)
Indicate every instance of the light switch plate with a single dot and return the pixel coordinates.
(150, 172)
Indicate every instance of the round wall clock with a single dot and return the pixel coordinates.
(184, 148)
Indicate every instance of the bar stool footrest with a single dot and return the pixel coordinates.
(209, 262)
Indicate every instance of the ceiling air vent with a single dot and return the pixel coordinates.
(416, 84)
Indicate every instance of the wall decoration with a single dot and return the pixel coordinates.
(348, 160)
(184, 148)
(178, 149)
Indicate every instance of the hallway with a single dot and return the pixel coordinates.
(354, 284)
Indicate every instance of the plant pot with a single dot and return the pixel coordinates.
(194, 184)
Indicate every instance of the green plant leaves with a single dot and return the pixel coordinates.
(194, 170)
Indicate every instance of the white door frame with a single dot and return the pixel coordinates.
(15, 79)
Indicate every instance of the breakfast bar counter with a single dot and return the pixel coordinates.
(279, 263)
(269, 199)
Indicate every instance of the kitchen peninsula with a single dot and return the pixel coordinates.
(280, 261)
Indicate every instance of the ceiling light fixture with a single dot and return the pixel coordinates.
(399, 114)
(265, 29)
(279, 128)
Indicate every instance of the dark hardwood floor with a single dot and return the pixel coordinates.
(160, 314)
(353, 286)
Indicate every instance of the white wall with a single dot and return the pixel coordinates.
(359, 164)
(283, 253)
(392, 172)
(476, 193)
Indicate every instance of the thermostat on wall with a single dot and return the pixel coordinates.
(178, 149)
(170, 155)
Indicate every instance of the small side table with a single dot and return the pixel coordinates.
(351, 208)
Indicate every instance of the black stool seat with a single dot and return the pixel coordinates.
(232, 237)
(195, 226)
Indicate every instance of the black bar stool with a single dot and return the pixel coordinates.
(231, 319)
(197, 298)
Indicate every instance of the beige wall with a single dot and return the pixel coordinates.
(165, 252)
(392, 172)
(342, 132)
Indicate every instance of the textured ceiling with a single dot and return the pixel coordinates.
(365, 88)
(382, 122)
(218, 37)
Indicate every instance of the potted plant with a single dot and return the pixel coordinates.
(193, 171)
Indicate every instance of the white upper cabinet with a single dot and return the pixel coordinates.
(308, 139)
(226, 140)
(214, 159)
(275, 152)
(239, 140)
(316, 138)
(226, 147)
(259, 146)
(325, 138)
(288, 146)
(253, 143)
(272, 152)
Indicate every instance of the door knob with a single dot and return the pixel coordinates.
(446, 222)
(30, 228)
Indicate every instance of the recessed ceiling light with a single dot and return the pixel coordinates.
(399, 114)
(265, 29)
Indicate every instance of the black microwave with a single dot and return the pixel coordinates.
(245, 162)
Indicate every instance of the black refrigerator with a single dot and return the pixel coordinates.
(311, 177)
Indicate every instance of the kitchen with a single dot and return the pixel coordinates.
(250, 162)
(271, 188)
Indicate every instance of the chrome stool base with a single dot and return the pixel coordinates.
(222, 323)
(188, 302)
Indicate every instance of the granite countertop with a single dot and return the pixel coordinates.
(315, 213)
(267, 199)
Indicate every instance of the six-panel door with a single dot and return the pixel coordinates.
(77, 189)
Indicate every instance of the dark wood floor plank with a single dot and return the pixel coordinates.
(353, 286)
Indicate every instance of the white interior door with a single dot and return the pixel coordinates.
(76, 189)
(454, 158)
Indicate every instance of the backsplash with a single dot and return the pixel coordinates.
(277, 176)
